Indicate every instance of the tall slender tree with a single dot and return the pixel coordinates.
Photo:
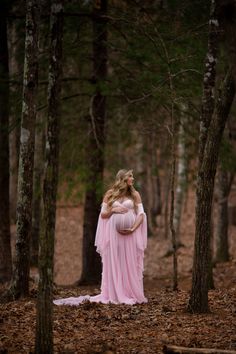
(199, 295)
(5, 241)
(198, 301)
(181, 184)
(91, 263)
(20, 281)
(37, 187)
(15, 42)
(225, 179)
(44, 324)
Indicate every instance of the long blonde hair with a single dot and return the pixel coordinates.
(121, 189)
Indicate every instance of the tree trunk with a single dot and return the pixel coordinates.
(211, 284)
(149, 183)
(14, 162)
(172, 199)
(222, 244)
(5, 239)
(158, 189)
(166, 201)
(205, 185)
(156, 205)
(20, 281)
(14, 137)
(151, 190)
(91, 262)
(44, 324)
(181, 177)
(227, 11)
(199, 295)
(37, 188)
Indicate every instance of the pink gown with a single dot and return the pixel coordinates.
(122, 258)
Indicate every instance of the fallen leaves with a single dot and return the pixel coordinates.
(97, 328)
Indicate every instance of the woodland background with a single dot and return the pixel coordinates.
(104, 85)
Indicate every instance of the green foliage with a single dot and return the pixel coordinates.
(147, 45)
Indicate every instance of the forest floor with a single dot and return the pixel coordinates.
(146, 328)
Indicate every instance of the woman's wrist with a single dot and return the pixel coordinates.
(112, 211)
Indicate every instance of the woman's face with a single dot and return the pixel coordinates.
(130, 180)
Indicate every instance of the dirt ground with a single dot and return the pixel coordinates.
(97, 328)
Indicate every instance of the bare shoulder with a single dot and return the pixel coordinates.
(137, 197)
(106, 196)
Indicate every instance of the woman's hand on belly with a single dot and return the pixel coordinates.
(126, 231)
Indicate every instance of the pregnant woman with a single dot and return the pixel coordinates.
(121, 238)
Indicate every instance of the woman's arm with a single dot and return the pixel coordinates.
(137, 223)
(106, 213)
(140, 212)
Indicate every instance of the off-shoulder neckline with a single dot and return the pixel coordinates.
(123, 200)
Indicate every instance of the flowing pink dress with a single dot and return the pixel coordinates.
(122, 258)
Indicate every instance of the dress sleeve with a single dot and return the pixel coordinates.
(102, 233)
(141, 231)
(140, 209)
(103, 207)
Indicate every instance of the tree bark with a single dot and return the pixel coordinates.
(20, 281)
(157, 208)
(199, 294)
(149, 182)
(211, 284)
(37, 188)
(14, 162)
(181, 177)
(5, 238)
(155, 182)
(222, 244)
(44, 323)
(198, 301)
(228, 23)
(166, 202)
(14, 135)
(172, 200)
(91, 262)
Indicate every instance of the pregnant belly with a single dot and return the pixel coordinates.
(124, 221)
